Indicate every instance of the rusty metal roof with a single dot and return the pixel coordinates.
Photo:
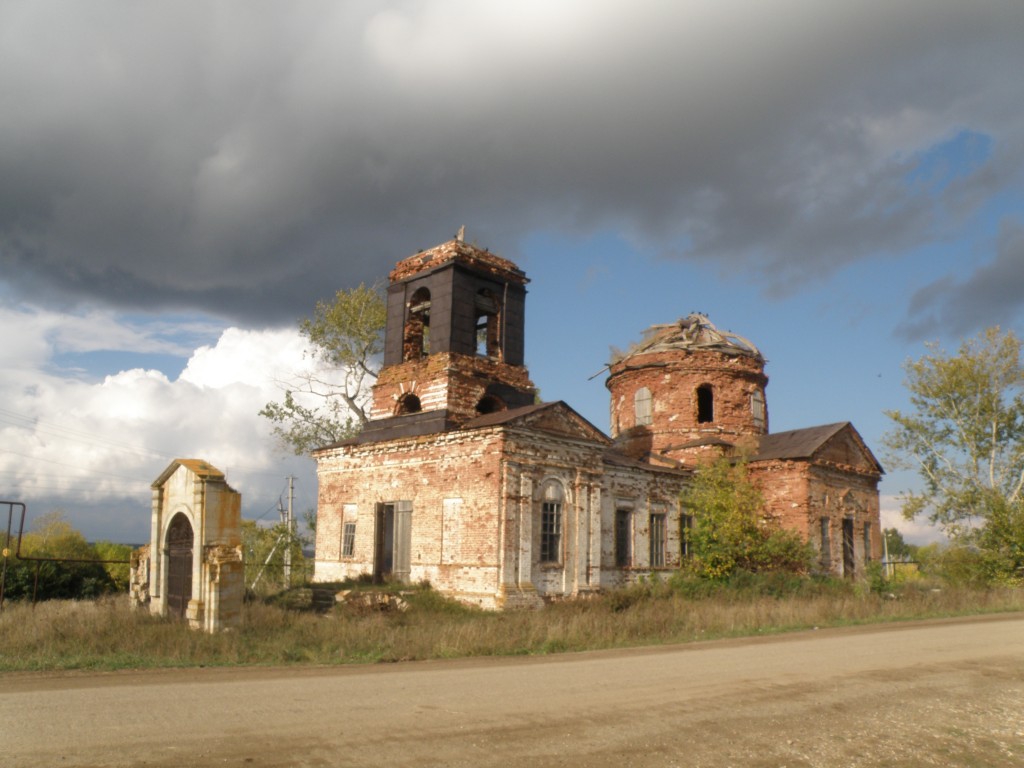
(198, 467)
(797, 443)
(805, 443)
(693, 332)
(616, 458)
(510, 414)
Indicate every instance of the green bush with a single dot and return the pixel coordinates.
(57, 580)
(731, 530)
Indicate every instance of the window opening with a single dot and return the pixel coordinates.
(867, 542)
(490, 404)
(826, 543)
(658, 541)
(685, 530)
(551, 524)
(348, 542)
(623, 538)
(642, 406)
(705, 404)
(416, 341)
(408, 403)
(848, 556)
(488, 324)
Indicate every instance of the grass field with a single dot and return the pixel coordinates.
(105, 634)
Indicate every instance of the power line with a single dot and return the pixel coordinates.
(76, 435)
(90, 438)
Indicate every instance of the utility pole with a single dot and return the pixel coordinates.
(290, 527)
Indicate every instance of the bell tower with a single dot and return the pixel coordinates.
(453, 346)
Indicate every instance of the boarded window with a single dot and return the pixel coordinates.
(658, 541)
(705, 404)
(623, 538)
(551, 524)
(348, 540)
(757, 408)
(642, 407)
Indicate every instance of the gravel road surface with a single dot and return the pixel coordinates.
(947, 692)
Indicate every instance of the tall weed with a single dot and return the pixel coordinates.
(106, 634)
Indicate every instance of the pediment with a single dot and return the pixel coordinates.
(838, 444)
(197, 467)
(555, 418)
(847, 448)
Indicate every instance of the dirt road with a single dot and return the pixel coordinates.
(932, 693)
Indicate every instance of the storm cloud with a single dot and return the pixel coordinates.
(237, 157)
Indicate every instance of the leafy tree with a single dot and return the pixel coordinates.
(118, 572)
(264, 550)
(965, 437)
(346, 339)
(68, 575)
(732, 531)
(896, 545)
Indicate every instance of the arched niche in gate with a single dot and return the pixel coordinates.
(179, 544)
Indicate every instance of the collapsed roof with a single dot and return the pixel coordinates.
(690, 333)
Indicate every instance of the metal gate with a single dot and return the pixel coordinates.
(180, 542)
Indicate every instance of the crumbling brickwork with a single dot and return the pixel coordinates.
(451, 382)
(462, 480)
(476, 497)
(676, 379)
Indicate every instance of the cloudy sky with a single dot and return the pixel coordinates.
(179, 182)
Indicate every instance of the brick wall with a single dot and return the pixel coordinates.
(477, 498)
(449, 381)
(800, 493)
(673, 377)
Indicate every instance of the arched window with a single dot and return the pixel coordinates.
(642, 407)
(408, 403)
(552, 497)
(705, 404)
(416, 341)
(490, 404)
(488, 324)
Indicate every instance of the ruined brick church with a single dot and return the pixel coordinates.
(462, 479)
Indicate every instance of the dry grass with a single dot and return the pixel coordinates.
(105, 634)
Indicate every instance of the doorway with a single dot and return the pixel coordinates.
(179, 545)
(392, 541)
